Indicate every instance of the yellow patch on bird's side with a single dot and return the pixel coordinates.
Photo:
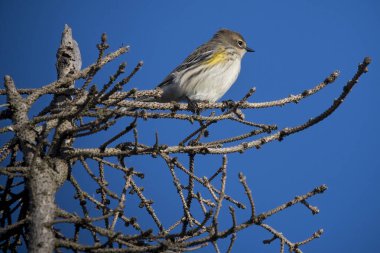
(217, 58)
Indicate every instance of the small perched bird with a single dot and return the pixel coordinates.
(208, 72)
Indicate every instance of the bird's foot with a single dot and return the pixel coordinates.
(228, 104)
(194, 106)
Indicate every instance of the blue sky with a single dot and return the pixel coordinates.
(297, 43)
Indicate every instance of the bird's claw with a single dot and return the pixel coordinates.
(228, 104)
(193, 106)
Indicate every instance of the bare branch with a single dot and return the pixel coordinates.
(43, 152)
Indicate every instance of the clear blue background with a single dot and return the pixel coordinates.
(298, 43)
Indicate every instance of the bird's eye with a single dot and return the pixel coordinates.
(240, 43)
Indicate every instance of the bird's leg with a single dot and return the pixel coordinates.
(228, 104)
(193, 105)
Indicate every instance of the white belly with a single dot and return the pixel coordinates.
(210, 85)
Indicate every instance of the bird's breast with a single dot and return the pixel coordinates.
(211, 83)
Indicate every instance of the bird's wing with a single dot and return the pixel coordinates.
(202, 53)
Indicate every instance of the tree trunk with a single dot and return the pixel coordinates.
(48, 173)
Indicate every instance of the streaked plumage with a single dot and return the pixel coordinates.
(208, 72)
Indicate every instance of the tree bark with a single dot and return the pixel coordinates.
(48, 173)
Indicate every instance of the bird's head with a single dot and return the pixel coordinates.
(233, 39)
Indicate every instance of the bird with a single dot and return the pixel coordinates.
(208, 72)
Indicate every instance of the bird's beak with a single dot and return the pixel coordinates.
(249, 49)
